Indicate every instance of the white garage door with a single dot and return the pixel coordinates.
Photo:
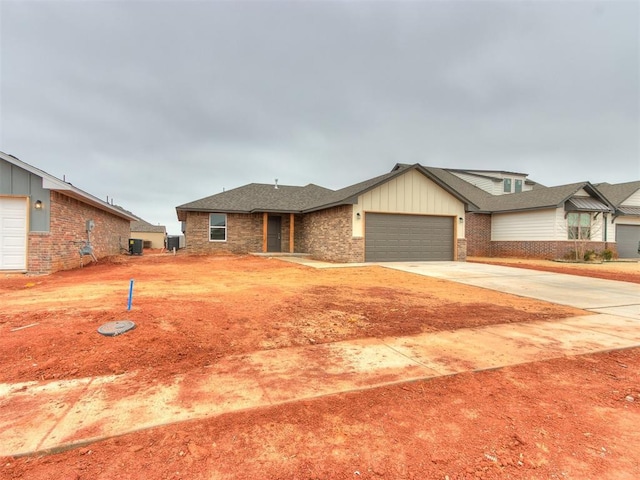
(13, 233)
(628, 240)
(401, 238)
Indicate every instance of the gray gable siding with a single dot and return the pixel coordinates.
(18, 181)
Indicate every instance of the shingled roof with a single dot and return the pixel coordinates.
(618, 192)
(144, 226)
(349, 195)
(257, 197)
(550, 197)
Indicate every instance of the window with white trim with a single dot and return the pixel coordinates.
(506, 185)
(518, 186)
(579, 226)
(218, 227)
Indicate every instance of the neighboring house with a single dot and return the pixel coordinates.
(496, 182)
(412, 213)
(553, 222)
(625, 197)
(45, 222)
(153, 236)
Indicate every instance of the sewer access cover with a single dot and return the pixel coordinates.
(112, 329)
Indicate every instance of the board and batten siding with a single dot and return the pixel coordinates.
(410, 193)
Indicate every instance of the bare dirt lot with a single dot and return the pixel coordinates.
(574, 417)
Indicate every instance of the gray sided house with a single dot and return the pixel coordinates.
(413, 213)
(47, 224)
(406, 214)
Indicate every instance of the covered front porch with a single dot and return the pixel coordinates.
(278, 232)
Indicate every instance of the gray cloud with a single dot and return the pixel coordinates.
(160, 103)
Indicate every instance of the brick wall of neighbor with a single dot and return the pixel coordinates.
(244, 233)
(548, 250)
(326, 235)
(478, 234)
(58, 249)
(462, 249)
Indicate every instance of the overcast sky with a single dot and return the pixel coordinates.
(159, 103)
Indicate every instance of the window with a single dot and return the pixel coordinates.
(518, 186)
(579, 226)
(218, 227)
(506, 185)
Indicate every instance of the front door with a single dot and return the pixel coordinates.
(274, 234)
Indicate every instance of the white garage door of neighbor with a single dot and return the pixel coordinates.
(13, 233)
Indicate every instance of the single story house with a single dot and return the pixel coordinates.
(625, 197)
(406, 214)
(412, 213)
(47, 224)
(153, 236)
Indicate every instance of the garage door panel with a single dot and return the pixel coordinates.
(627, 239)
(13, 234)
(394, 237)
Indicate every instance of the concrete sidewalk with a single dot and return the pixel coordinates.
(48, 417)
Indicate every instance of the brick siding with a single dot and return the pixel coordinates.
(546, 250)
(244, 233)
(58, 249)
(327, 235)
(478, 234)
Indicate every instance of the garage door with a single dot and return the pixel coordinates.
(13, 234)
(627, 240)
(399, 238)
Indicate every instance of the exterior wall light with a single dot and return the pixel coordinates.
(38, 205)
(461, 220)
(358, 216)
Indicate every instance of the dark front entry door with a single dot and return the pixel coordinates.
(274, 234)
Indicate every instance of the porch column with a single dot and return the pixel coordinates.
(265, 223)
(291, 246)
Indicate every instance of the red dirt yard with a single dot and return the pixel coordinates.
(574, 417)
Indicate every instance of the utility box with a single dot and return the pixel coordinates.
(135, 246)
(173, 242)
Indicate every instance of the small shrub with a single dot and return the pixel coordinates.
(589, 255)
(607, 255)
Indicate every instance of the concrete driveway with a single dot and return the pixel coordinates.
(594, 294)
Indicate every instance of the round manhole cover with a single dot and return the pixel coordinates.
(112, 329)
